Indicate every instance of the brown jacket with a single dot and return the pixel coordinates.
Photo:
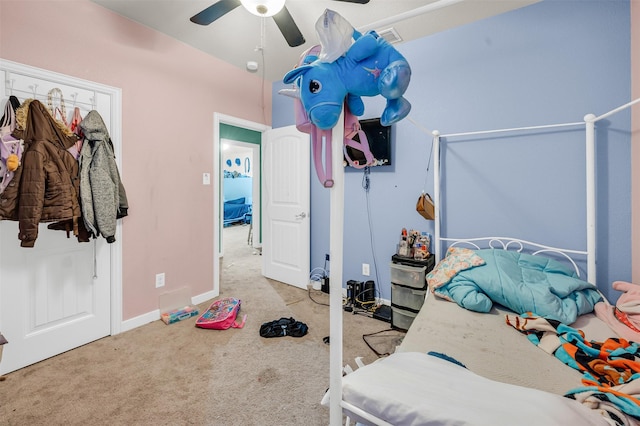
(49, 180)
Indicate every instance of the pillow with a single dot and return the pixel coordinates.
(236, 201)
(428, 390)
(457, 259)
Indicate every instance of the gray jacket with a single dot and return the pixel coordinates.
(102, 195)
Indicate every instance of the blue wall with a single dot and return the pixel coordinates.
(240, 187)
(551, 62)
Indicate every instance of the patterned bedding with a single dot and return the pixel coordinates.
(610, 369)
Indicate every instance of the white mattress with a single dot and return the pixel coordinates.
(486, 345)
(413, 388)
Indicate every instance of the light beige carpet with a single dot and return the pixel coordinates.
(178, 374)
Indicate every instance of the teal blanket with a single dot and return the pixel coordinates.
(522, 283)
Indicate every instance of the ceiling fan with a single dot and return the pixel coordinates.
(263, 8)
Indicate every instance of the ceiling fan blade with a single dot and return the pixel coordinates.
(288, 28)
(215, 11)
(355, 1)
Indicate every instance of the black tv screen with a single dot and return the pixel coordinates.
(379, 138)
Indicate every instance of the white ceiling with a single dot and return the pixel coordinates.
(239, 36)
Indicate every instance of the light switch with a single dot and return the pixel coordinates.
(206, 179)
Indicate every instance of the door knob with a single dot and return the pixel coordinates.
(301, 215)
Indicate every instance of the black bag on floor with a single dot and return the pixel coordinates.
(283, 327)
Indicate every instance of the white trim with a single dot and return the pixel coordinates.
(203, 297)
(140, 320)
(421, 10)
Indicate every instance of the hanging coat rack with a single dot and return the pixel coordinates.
(32, 93)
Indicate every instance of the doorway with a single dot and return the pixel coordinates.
(240, 191)
(282, 190)
(237, 133)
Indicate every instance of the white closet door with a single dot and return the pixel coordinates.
(56, 296)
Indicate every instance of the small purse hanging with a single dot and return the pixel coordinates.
(425, 206)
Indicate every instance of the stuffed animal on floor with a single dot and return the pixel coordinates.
(370, 67)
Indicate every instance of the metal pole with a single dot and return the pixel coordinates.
(336, 236)
(591, 196)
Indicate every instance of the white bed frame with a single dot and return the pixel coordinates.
(509, 242)
(336, 404)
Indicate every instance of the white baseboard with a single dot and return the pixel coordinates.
(140, 320)
(204, 297)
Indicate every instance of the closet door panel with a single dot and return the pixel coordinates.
(55, 296)
(50, 301)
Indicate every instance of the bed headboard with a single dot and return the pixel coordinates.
(572, 257)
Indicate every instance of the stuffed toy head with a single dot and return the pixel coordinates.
(370, 67)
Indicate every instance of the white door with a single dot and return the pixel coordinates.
(286, 206)
(55, 296)
(50, 300)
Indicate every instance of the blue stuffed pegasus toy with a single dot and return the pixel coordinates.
(369, 67)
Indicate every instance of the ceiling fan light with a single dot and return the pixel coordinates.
(263, 8)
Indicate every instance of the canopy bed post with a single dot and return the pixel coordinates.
(436, 192)
(336, 236)
(590, 125)
(590, 130)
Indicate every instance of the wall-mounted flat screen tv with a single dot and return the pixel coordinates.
(379, 138)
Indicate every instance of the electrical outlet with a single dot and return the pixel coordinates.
(160, 280)
(206, 179)
(365, 269)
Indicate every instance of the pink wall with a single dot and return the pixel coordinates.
(169, 94)
(635, 141)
